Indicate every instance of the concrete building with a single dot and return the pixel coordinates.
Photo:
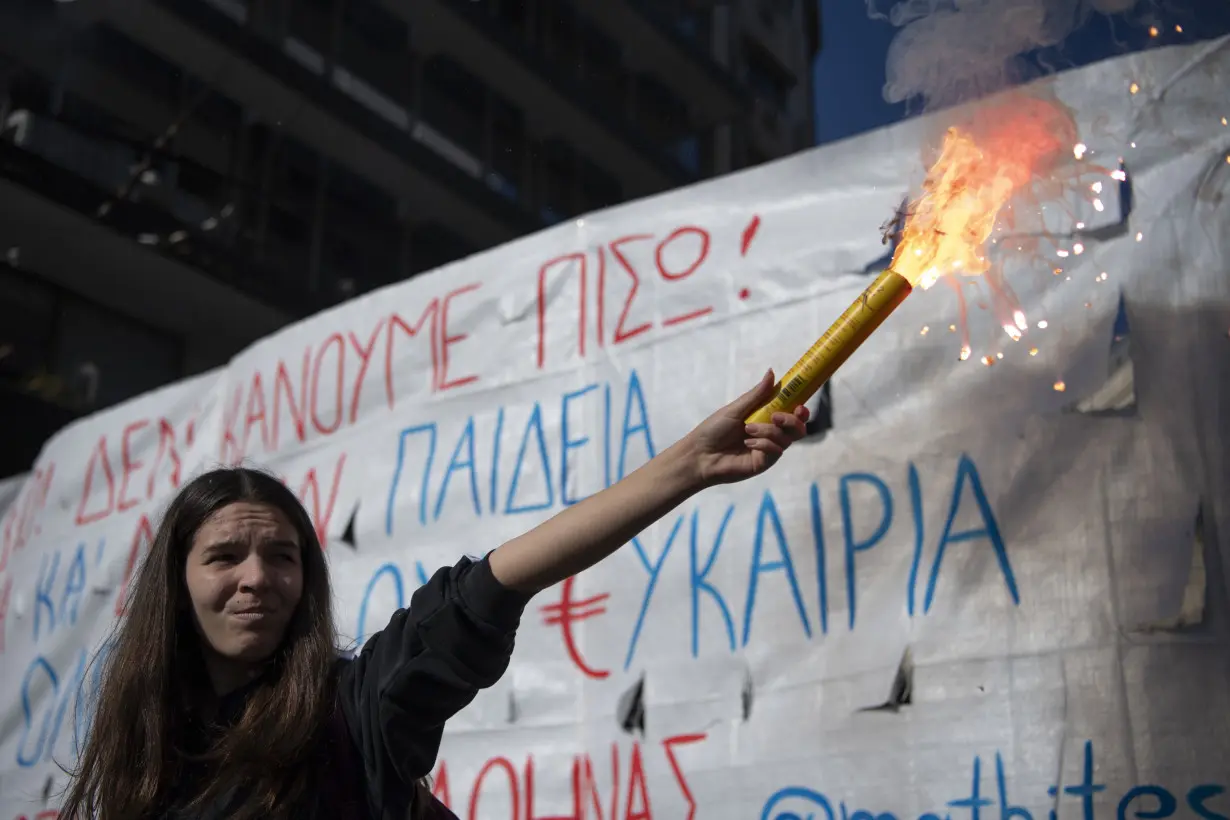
(181, 177)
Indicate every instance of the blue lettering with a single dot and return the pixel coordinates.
(42, 592)
(975, 801)
(654, 569)
(74, 685)
(606, 435)
(817, 534)
(430, 429)
(1197, 797)
(74, 586)
(25, 757)
(916, 508)
(534, 424)
(967, 471)
(854, 547)
(495, 457)
(642, 425)
(1166, 803)
(768, 511)
(466, 440)
(795, 793)
(568, 444)
(863, 814)
(1006, 812)
(699, 583)
(394, 573)
(1087, 789)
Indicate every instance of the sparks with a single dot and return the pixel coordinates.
(1079, 150)
(1080, 226)
(1033, 351)
(1119, 175)
(988, 361)
(1152, 31)
(1042, 324)
(1061, 253)
(1132, 144)
(1057, 271)
(1013, 332)
(1179, 29)
(1103, 276)
(1078, 249)
(1096, 187)
(952, 328)
(1133, 88)
(1098, 206)
(999, 355)
(1224, 122)
(1060, 387)
(923, 332)
(965, 351)
(1139, 236)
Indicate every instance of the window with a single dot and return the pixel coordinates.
(453, 102)
(432, 245)
(765, 77)
(508, 146)
(133, 62)
(375, 45)
(310, 21)
(598, 188)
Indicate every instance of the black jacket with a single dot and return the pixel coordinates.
(427, 664)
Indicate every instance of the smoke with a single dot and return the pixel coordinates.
(953, 51)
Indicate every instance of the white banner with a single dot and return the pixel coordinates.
(990, 587)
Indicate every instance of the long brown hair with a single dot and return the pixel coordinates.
(153, 680)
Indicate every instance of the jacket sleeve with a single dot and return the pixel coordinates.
(427, 664)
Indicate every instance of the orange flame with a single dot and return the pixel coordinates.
(968, 193)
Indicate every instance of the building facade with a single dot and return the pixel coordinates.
(181, 177)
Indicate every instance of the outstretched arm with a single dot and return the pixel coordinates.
(721, 449)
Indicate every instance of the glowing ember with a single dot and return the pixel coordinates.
(1103, 276)
(988, 361)
(1224, 122)
(1033, 351)
(1139, 236)
(1079, 150)
(1057, 271)
(1179, 29)
(1133, 88)
(1060, 387)
(1042, 324)
(923, 332)
(1096, 187)
(1078, 249)
(1121, 176)
(999, 355)
(965, 351)
(1152, 31)
(1062, 253)
(1097, 205)
(952, 328)
(1080, 226)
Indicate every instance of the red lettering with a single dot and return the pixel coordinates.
(695, 314)
(529, 793)
(432, 311)
(24, 511)
(668, 745)
(321, 519)
(601, 296)
(622, 335)
(229, 451)
(282, 386)
(587, 787)
(672, 276)
(476, 792)
(97, 457)
(446, 340)
(637, 787)
(127, 465)
(4, 607)
(439, 786)
(166, 446)
(365, 357)
(341, 377)
(256, 412)
(143, 537)
(542, 305)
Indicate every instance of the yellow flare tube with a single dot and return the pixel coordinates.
(833, 348)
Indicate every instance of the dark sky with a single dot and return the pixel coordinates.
(849, 73)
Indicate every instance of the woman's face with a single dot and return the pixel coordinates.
(244, 576)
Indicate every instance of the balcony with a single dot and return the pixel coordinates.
(678, 50)
(334, 111)
(776, 33)
(555, 99)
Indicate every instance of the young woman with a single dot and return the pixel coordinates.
(223, 695)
